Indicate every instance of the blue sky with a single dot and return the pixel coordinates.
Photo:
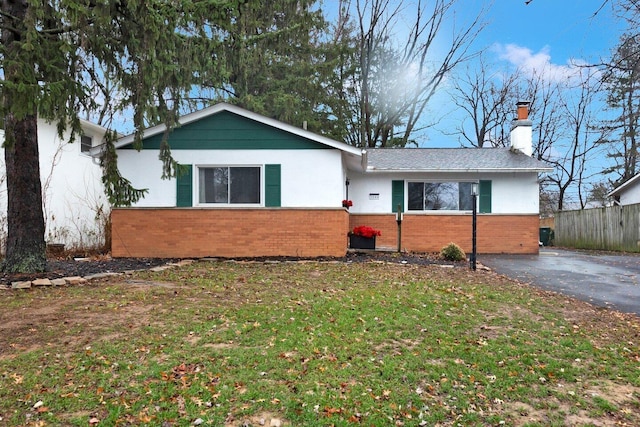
(550, 35)
(558, 30)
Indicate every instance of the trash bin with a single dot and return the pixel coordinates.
(545, 236)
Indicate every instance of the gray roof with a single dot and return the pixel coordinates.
(451, 160)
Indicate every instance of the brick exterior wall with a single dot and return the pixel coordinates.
(495, 233)
(191, 233)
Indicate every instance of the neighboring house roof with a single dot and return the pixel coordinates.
(451, 160)
(621, 189)
(218, 108)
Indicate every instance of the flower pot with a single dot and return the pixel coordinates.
(359, 242)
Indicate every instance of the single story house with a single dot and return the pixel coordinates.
(255, 186)
(627, 193)
(75, 207)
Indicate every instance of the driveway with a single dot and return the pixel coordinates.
(603, 279)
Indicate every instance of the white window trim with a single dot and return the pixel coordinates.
(196, 186)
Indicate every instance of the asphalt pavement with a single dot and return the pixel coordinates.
(608, 279)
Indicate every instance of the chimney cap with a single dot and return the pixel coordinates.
(522, 112)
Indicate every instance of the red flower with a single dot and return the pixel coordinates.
(365, 231)
(347, 203)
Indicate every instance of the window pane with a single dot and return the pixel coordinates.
(214, 185)
(219, 191)
(441, 196)
(85, 143)
(416, 193)
(465, 199)
(245, 185)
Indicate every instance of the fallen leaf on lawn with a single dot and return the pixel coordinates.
(331, 411)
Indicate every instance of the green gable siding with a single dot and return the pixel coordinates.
(397, 195)
(229, 131)
(485, 196)
(272, 186)
(184, 187)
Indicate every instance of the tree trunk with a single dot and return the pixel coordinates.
(25, 238)
(25, 251)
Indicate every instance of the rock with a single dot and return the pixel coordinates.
(275, 422)
(75, 280)
(160, 268)
(21, 285)
(101, 275)
(58, 282)
(41, 282)
(198, 422)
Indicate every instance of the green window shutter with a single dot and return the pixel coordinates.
(485, 196)
(272, 186)
(184, 186)
(397, 195)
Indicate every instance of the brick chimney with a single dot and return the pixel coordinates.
(521, 132)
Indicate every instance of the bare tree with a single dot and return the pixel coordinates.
(577, 140)
(487, 99)
(547, 110)
(394, 81)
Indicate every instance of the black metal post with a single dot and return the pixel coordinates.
(474, 228)
(399, 221)
(346, 183)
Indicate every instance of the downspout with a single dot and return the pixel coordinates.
(364, 160)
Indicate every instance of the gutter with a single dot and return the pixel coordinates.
(501, 170)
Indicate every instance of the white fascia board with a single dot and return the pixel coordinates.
(624, 186)
(214, 109)
(86, 124)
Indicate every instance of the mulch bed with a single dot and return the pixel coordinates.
(69, 267)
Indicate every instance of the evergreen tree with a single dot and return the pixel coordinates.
(53, 55)
(622, 83)
(275, 59)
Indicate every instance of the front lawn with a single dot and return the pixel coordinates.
(313, 344)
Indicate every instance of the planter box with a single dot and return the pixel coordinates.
(359, 242)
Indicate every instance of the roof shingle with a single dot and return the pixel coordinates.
(452, 160)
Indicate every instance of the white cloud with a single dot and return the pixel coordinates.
(539, 63)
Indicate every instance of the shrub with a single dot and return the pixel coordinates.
(453, 252)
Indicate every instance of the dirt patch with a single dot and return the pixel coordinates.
(262, 419)
(39, 322)
(623, 397)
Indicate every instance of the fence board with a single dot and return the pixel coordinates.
(613, 228)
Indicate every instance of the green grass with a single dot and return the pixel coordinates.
(313, 344)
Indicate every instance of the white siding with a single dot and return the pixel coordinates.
(630, 195)
(72, 189)
(512, 193)
(310, 178)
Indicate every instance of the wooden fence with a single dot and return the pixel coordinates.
(613, 228)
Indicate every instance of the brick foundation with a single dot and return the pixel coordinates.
(514, 234)
(193, 232)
